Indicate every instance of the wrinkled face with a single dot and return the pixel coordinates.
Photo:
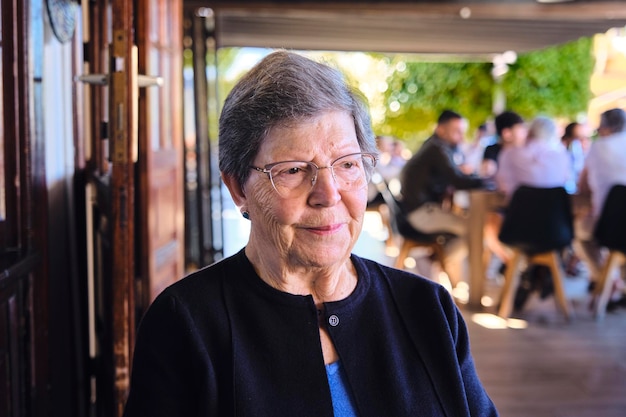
(453, 131)
(320, 227)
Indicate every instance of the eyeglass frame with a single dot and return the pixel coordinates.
(267, 169)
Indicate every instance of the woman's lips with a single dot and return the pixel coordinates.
(327, 229)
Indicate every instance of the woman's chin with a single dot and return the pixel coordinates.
(323, 255)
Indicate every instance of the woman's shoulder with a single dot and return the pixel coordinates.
(209, 279)
(198, 296)
(400, 280)
(414, 295)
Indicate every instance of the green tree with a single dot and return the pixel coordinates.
(419, 91)
(552, 82)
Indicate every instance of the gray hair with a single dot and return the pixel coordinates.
(543, 129)
(284, 88)
(613, 120)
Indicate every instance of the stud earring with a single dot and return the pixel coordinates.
(245, 215)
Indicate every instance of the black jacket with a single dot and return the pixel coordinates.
(428, 175)
(222, 343)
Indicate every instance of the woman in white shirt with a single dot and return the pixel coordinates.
(542, 162)
(605, 166)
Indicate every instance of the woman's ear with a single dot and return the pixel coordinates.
(236, 190)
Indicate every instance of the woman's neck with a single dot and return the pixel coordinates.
(324, 284)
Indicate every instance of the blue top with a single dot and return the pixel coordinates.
(343, 405)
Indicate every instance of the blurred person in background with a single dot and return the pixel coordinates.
(573, 137)
(542, 162)
(605, 166)
(390, 163)
(475, 149)
(428, 181)
(511, 132)
(392, 158)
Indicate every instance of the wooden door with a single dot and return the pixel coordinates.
(161, 210)
(23, 276)
(135, 192)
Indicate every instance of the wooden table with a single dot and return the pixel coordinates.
(480, 203)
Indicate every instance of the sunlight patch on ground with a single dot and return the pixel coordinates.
(491, 321)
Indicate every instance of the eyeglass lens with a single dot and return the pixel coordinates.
(351, 173)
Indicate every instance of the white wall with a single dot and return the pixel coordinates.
(57, 105)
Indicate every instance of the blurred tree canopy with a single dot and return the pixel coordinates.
(553, 82)
(407, 93)
(419, 91)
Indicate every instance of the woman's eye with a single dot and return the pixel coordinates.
(290, 170)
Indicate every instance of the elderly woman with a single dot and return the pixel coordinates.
(294, 324)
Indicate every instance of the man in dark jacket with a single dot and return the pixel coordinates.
(430, 176)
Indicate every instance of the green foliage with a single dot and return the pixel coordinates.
(553, 81)
(424, 89)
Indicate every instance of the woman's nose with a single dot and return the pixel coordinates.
(325, 191)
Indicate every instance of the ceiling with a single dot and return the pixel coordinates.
(477, 28)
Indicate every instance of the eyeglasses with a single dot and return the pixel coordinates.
(294, 178)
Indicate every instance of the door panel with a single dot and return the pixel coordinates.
(159, 40)
(164, 197)
(11, 343)
(24, 329)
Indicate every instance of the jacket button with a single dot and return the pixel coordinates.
(333, 320)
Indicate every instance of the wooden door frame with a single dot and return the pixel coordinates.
(122, 121)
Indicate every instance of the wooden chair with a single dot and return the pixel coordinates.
(537, 226)
(610, 232)
(409, 236)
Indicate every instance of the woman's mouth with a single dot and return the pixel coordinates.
(326, 229)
